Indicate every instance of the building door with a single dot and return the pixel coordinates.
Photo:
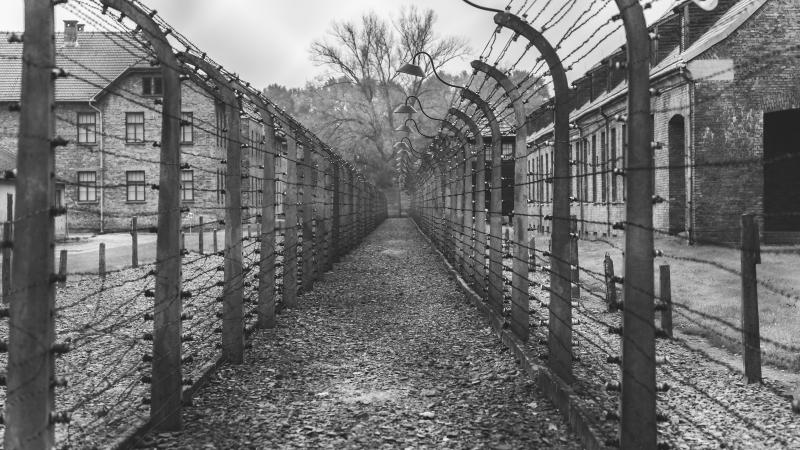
(782, 171)
(677, 175)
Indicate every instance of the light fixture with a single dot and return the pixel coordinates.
(405, 108)
(412, 69)
(403, 128)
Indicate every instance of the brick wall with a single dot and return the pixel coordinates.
(729, 116)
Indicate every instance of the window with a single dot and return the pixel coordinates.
(613, 165)
(87, 128)
(508, 150)
(585, 170)
(187, 185)
(222, 128)
(187, 128)
(624, 159)
(87, 186)
(152, 86)
(603, 167)
(135, 182)
(594, 168)
(134, 127)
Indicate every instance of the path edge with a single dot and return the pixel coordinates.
(131, 438)
(556, 390)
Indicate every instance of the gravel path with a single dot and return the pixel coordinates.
(383, 353)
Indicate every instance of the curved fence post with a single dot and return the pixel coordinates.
(519, 272)
(638, 405)
(165, 405)
(495, 205)
(232, 305)
(479, 222)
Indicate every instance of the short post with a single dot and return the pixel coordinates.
(134, 242)
(751, 337)
(62, 269)
(183, 241)
(7, 245)
(666, 300)
(611, 284)
(532, 255)
(214, 244)
(200, 237)
(573, 258)
(101, 267)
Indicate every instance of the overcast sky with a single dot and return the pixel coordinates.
(267, 41)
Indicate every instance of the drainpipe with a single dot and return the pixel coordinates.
(690, 196)
(606, 176)
(102, 165)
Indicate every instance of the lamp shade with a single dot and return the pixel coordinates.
(403, 128)
(411, 69)
(401, 144)
(405, 109)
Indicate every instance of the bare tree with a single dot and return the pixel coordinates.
(355, 107)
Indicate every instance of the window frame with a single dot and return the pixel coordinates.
(83, 128)
(86, 187)
(183, 188)
(187, 124)
(149, 84)
(129, 125)
(139, 186)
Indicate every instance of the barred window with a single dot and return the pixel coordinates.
(507, 150)
(87, 128)
(187, 185)
(136, 186)
(134, 127)
(87, 186)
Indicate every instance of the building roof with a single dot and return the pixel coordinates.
(97, 60)
(728, 23)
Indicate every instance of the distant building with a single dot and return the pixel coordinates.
(109, 110)
(726, 108)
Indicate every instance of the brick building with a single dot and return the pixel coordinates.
(108, 108)
(725, 102)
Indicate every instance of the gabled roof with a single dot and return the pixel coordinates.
(726, 25)
(97, 60)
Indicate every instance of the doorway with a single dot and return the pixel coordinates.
(677, 174)
(782, 172)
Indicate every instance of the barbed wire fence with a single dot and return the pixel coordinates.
(628, 355)
(92, 355)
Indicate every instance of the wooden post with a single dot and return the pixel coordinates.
(290, 226)
(201, 237)
(183, 241)
(266, 273)
(101, 266)
(611, 284)
(666, 300)
(8, 243)
(532, 255)
(62, 269)
(134, 242)
(751, 336)
(7, 251)
(30, 400)
(575, 272)
(214, 244)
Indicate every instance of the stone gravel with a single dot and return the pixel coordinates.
(384, 352)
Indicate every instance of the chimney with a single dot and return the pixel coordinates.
(71, 28)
